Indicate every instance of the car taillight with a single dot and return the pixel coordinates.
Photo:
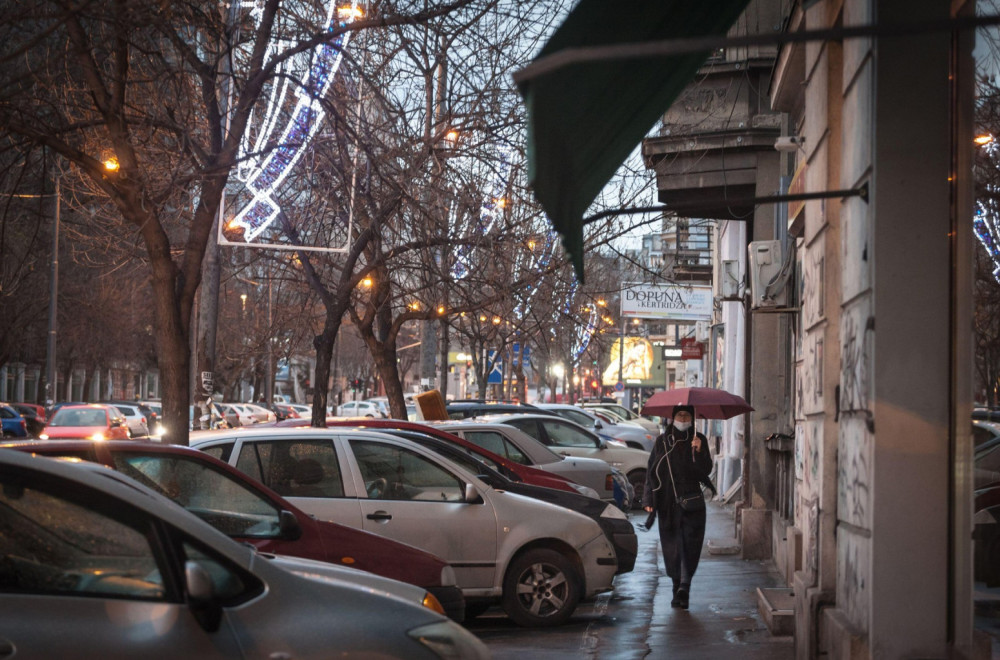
(24, 425)
(609, 482)
(143, 420)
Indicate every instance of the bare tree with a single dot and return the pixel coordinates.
(141, 86)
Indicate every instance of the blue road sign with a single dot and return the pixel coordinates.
(619, 386)
(496, 372)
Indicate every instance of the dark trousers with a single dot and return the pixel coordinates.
(682, 534)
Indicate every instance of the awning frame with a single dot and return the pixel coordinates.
(861, 191)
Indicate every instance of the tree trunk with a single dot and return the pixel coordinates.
(384, 355)
(324, 356)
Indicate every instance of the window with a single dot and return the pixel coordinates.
(221, 452)
(564, 435)
(294, 468)
(498, 444)
(84, 547)
(215, 497)
(394, 473)
(578, 417)
(527, 426)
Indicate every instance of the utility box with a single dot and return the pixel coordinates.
(731, 280)
(769, 275)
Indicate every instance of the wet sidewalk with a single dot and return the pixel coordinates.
(636, 622)
(722, 620)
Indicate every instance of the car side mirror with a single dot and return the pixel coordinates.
(288, 526)
(601, 444)
(115, 423)
(598, 425)
(201, 596)
(471, 495)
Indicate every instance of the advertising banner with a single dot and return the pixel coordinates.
(674, 302)
(640, 365)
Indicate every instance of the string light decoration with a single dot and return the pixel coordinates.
(263, 170)
(490, 210)
(986, 226)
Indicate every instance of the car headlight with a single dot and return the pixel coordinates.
(586, 490)
(449, 640)
(617, 464)
(43, 436)
(611, 511)
(97, 436)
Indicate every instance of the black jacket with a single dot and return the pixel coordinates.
(690, 468)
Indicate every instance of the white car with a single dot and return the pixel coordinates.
(520, 447)
(570, 439)
(96, 565)
(538, 559)
(359, 409)
(134, 420)
(631, 434)
(260, 413)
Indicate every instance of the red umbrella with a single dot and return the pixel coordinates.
(708, 403)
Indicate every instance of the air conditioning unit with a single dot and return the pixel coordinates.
(702, 330)
(731, 281)
(769, 275)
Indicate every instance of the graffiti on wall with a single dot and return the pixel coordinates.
(853, 580)
(854, 474)
(856, 368)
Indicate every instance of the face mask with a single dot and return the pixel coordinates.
(682, 426)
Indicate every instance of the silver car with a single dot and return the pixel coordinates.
(538, 559)
(95, 565)
(570, 439)
(520, 447)
(629, 433)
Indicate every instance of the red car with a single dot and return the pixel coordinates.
(507, 467)
(250, 512)
(90, 421)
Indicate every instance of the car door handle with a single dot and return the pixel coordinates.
(379, 515)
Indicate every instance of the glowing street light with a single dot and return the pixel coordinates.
(111, 164)
(983, 140)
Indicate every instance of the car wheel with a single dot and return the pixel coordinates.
(541, 588)
(638, 480)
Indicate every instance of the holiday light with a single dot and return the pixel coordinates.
(263, 175)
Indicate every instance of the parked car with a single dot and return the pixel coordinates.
(213, 419)
(283, 411)
(34, 416)
(134, 419)
(96, 567)
(508, 468)
(260, 414)
(249, 512)
(570, 439)
(463, 409)
(13, 425)
(237, 415)
(611, 519)
(93, 421)
(383, 405)
(359, 409)
(653, 425)
(628, 433)
(540, 560)
(517, 446)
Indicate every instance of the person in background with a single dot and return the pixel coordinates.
(678, 467)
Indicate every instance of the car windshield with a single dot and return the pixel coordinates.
(79, 417)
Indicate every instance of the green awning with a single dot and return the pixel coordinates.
(584, 119)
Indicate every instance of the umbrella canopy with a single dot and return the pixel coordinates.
(708, 403)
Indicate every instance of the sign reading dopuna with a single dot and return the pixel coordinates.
(676, 302)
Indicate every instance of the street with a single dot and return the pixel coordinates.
(636, 620)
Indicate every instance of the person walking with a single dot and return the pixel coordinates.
(678, 467)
